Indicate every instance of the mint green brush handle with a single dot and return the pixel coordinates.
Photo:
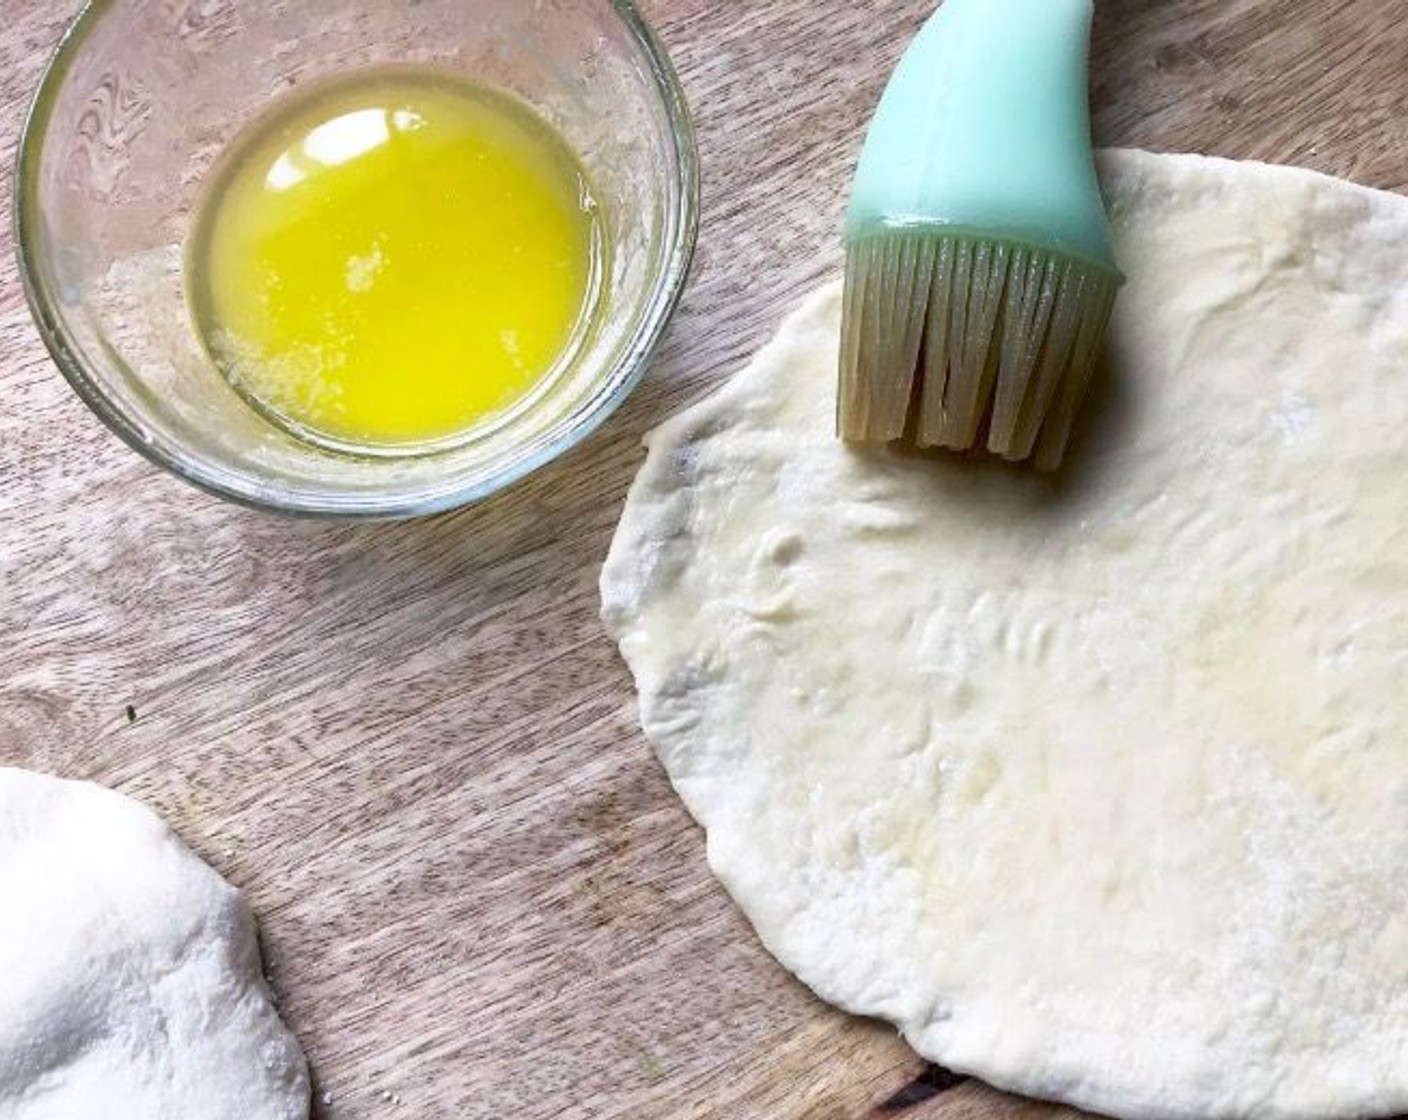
(985, 128)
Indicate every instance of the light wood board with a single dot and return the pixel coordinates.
(413, 746)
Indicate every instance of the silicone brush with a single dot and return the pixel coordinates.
(979, 272)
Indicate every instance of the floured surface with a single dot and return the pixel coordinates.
(1096, 786)
(130, 981)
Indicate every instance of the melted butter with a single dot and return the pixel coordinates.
(393, 260)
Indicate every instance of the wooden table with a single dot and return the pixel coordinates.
(412, 744)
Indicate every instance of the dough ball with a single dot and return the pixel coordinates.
(130, 978)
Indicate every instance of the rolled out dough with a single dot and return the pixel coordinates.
(130, 980)
(1097, 786)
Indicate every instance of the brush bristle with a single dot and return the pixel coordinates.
(945, 337)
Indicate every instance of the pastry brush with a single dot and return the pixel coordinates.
(979, 273)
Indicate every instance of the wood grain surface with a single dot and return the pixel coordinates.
(412, 744)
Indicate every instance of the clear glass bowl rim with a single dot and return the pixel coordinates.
(634, 359)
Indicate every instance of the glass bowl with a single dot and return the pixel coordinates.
(142, 97)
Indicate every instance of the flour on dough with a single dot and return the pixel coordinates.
(130, 980)
(1097, 786)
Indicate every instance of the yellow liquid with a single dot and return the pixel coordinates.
(394, 259)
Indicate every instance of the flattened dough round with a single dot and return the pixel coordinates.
(1097, 786)
(130, 980)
